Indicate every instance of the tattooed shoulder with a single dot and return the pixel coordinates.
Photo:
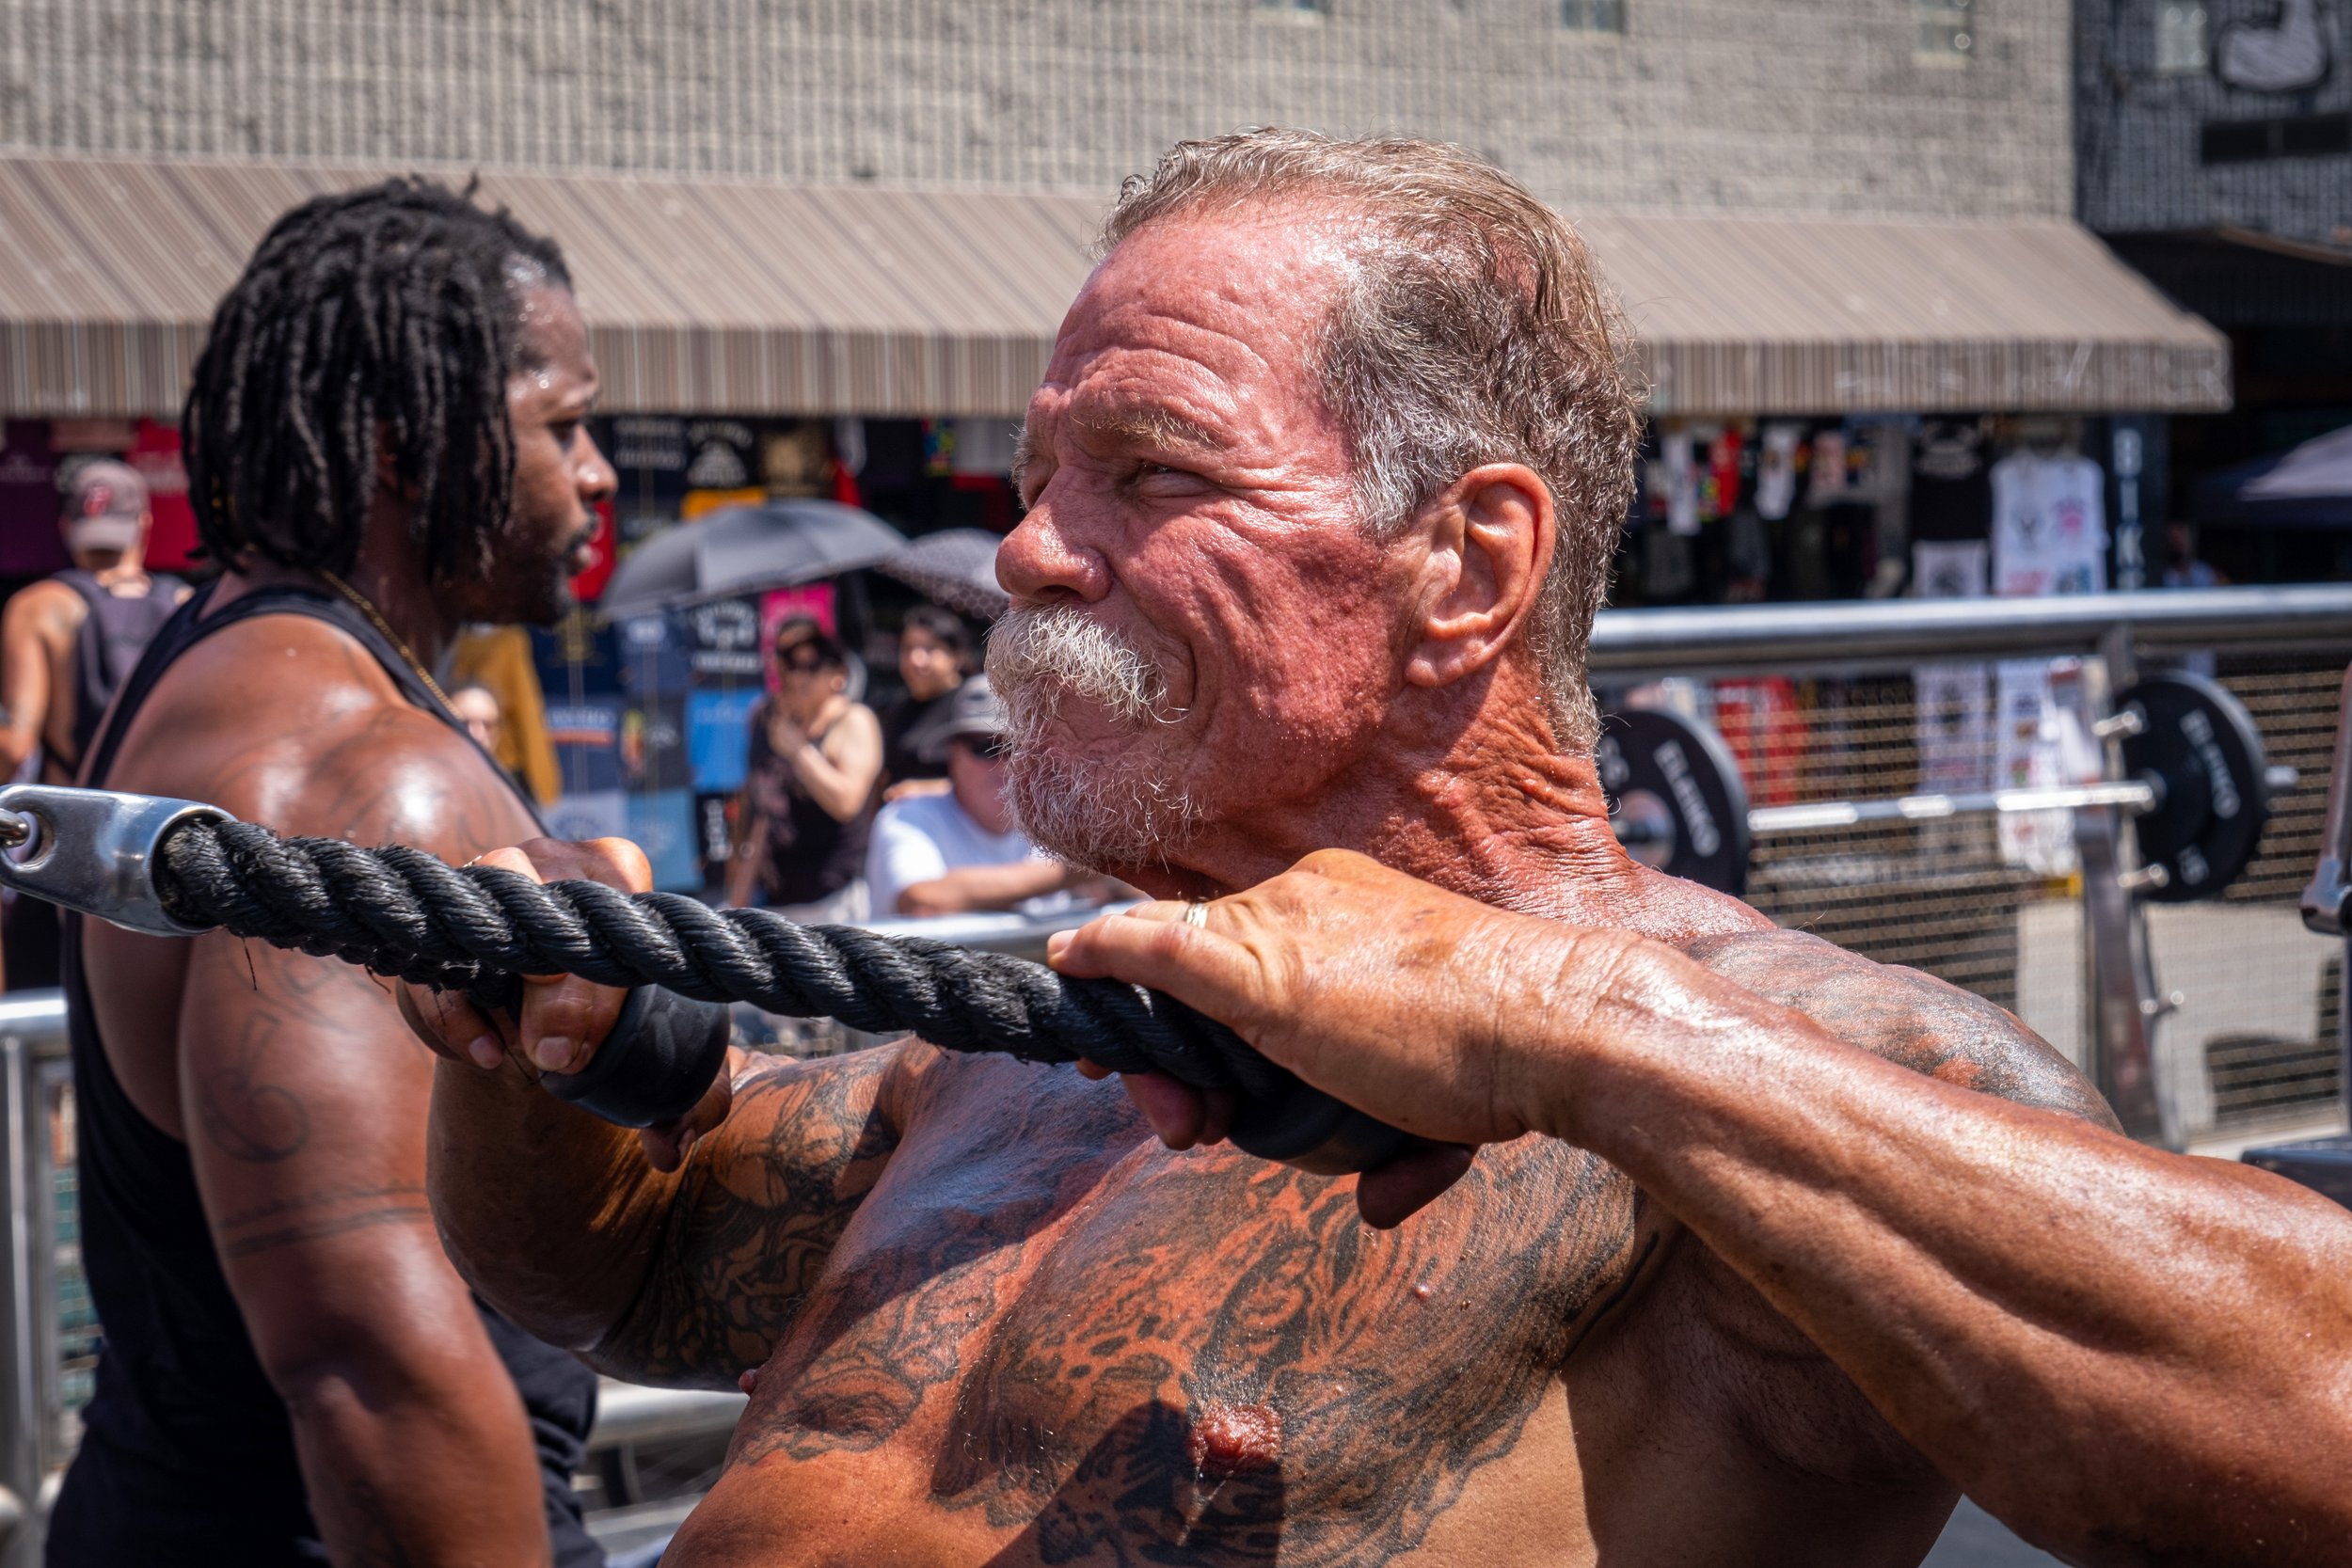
(1909, 1018)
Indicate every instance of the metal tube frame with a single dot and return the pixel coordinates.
(1808, 638)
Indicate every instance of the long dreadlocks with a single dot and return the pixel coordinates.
(393, 314)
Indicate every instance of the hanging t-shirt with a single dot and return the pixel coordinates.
(1829, 479)
(1679, 458)
(2049, 525)
(1949, 571)
(1719, 486)
(1776, 470)
(1953, 710)
(1951, 482)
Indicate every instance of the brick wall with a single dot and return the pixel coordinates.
(2138, 132)
(1776, 106)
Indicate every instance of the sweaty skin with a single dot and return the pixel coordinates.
(2130, 1357)
(300, 1094)
(996, 1319)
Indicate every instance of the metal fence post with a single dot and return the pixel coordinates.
(28, 1310)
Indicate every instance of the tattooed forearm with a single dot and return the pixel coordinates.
(757, 1214)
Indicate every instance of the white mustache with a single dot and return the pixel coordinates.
(1035, 655)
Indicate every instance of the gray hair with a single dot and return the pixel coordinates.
(1472, 330)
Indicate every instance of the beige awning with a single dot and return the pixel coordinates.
(702, 296)
(712, 297)
(1827, 316)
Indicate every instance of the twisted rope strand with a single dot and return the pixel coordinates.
(400, 911)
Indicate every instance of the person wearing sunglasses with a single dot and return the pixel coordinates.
(959, 850)
(810, 785)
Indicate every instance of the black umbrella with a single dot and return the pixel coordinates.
(746, 550)
(956, 566)
(2308, 487)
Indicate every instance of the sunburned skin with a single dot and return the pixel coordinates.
(996, 1319)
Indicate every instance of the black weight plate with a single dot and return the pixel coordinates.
(1676, 798)
(2202, 748)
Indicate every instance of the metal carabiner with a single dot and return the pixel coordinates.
(94, 850)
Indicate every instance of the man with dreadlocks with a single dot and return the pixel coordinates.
(384, 440)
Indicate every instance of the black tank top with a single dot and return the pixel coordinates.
(115, 634)
(811, 854)
(187, 1455)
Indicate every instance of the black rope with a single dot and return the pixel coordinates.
(404, 912)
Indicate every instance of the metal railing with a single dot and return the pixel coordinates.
(1788, 637)
(34, 1423)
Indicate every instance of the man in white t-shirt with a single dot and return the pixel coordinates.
(957, 852)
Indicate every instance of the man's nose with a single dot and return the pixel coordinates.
(1041, 563)
(596, 478)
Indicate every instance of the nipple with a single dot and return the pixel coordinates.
(1235, 1439)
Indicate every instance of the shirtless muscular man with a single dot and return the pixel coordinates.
(1323, 484)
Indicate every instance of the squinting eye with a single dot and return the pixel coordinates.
(563, 432)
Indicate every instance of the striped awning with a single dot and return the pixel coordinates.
(721, 297)
(702, 296)
(1827, 316)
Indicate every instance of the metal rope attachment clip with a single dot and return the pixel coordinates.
(94, 850)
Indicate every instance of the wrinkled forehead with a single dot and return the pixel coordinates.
(1206, 318)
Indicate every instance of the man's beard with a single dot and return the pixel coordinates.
(1092, 810)
(517, 585)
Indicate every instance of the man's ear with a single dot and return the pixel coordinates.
(1490, 537)
(387, 469)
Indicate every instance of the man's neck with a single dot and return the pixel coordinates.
(114, 569)
(389, 575)
(1490, 808)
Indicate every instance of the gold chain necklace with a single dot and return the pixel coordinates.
(381, 624)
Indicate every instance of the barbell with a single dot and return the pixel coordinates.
(2196, 782)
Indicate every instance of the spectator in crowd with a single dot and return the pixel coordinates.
(498, 659)
(477, 708)
(484, 716)
(811, 784)
(2182, 566)
(958, 850)
(933, 649)
(66, 644)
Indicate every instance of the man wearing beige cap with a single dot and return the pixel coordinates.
(66, 642)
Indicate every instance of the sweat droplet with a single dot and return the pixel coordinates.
(1422, 1293)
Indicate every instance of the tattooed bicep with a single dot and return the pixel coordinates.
(762, 1200)
(1911, 1018)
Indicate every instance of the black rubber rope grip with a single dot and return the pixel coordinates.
(404, 912)
(655, 1064)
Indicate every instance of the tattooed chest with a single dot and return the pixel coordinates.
(1204, 1351)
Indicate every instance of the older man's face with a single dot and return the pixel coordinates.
(1203, 634)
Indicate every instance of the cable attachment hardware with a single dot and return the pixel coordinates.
(94, 850)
